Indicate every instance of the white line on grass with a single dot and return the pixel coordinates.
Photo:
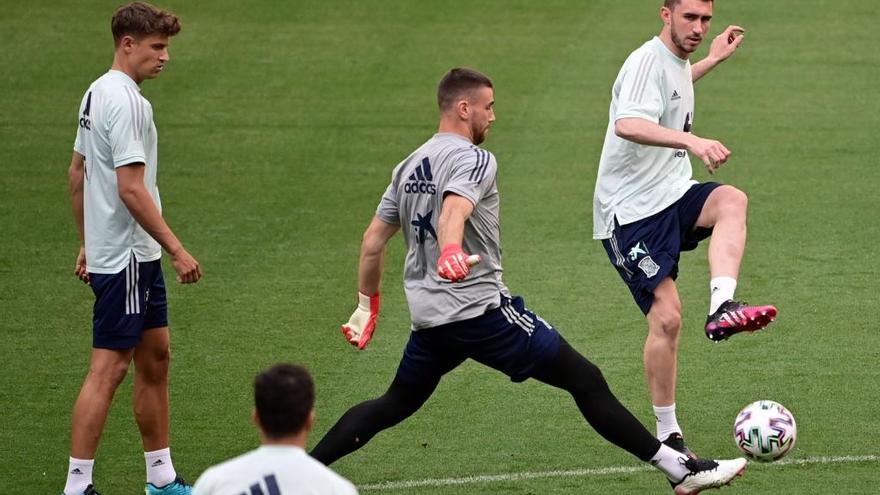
(571, 473)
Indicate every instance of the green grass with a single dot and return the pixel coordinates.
(279, 125)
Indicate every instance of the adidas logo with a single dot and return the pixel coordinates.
(420, 181)
(675, 95)
(76, 471)
(157, 462)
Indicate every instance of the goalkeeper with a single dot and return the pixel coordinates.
(444, 199)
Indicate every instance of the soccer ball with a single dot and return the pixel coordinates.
(765, 431)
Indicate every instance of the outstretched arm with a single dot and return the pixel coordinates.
(722, 47)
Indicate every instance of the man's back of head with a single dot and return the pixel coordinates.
(284, 398)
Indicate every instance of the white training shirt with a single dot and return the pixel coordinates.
(272, 470)
(115, 129)
(636, 181)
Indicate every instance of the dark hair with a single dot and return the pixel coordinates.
(458, 81)
(284, 396)
(139, 19)
(671, 4)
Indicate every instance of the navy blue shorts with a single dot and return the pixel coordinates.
(127, 303)
(647, 251)
(510, 339)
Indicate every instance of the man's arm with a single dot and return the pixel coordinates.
(372, 260)
(721, 48)
(643, 131)
(454, 264)
(360, 326)
(130, 183)
(76, 178)
(456, 210)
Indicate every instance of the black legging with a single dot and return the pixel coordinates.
(568, 370)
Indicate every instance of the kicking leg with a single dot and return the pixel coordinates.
(360, 423)
(573, 373)
(725, 212)
(584, 381)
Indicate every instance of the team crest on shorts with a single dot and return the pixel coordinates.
(649, 266)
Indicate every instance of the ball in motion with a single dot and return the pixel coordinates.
(765, 431)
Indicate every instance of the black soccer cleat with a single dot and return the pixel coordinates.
(676, 442)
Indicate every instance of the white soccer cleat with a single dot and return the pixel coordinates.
(706, 473)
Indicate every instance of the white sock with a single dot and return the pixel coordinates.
(160, 471)
(720, 289)
(667, 423)
(671, 462)
(79, 476)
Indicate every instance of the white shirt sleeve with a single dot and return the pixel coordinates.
(640, 89)
(126, 126)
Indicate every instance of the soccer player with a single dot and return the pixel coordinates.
(284, 398)
(647, 208)
(444, 198)
(122, 233)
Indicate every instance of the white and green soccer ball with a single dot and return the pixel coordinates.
(765, 431)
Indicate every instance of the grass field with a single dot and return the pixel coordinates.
(279, 125)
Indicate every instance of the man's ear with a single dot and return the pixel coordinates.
(254, 418)
(463, 109)
(127, 43)
(310, 421)
(666, 15)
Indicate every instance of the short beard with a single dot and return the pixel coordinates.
(677, 41)
(478, 136)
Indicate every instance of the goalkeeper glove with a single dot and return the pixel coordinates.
(359, 329)
(454, 264)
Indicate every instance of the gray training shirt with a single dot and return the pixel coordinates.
(446, 163)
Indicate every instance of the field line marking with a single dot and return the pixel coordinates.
(570, 473)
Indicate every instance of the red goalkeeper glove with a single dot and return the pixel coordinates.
(454, 264)
(360, 327)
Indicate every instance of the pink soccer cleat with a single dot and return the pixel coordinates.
(733, 317)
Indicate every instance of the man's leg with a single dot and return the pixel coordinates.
(360, 423)
(107, 369)
(725, 212)
(151, 361)
(573, 373)
(661, 354)
(152, 358)
(661, 362)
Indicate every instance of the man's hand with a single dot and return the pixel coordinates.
(80, 269)
(360, 327)
(454, 264)
(712, 152)
(726, 43)
(188, 269)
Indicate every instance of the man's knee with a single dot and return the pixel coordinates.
(108, 374)
(665, 319)
(733, 201)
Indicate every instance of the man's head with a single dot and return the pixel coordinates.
(284, 399)
(686, 23)
(141, 33)
(466, 98)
